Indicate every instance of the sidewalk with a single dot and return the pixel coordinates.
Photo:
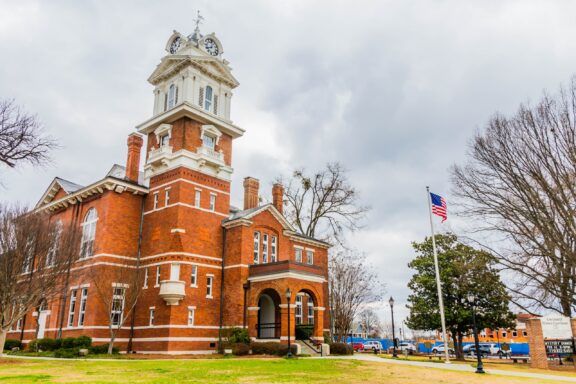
(456, 367)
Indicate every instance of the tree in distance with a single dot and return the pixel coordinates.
(464, 271)
(519, 183)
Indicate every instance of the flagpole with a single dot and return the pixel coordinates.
(438, 284)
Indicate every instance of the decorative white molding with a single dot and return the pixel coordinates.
(288, 275)
(253, 308)
(178, 204)
(177, 230)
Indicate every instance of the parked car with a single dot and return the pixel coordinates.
(411, 348)
(372, 346)
(470, 349)
(495, 349)
(358, 347)
(440, 349)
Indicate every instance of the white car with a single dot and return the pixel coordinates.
(494, 349)
(411, 348)
(440, 349)
(372, 346)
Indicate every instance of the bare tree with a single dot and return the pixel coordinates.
(352, 284)
(34, 257)
(118, 288)
(370, 322)
(519, 183)
(323, 204)
(21, 137)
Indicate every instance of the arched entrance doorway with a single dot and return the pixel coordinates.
(305, 315)
(268, 315)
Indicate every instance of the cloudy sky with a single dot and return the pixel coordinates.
(392, 89)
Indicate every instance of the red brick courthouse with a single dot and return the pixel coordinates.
(205, 263)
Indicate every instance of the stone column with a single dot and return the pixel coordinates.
(252, 320)
(538, 357)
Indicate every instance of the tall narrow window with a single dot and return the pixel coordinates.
(117, 313)
(72, 308)
(310, 310)
(273, 249)
(164, 140)
(88, 233)
(191, 316)
(28, 259)
(208, 99)
(175, 272)
(156, 200)
(83, 301)
(298, 309)
(298, 255)
(194, 276)
(157, 276)
(197, 196)
(51, 256)
(201, 97)
(151, 316)
(212, 201)
(167, 197)
(145, 278)
(208, 141)
(172, 95)
(209, 281)
(309, 256)
(256, 247)
(265, 248)
(19, 325)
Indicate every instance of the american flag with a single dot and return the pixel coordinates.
(439, 206)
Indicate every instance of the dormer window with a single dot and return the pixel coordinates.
(208, 99)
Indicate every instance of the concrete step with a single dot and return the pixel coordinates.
(306, 350)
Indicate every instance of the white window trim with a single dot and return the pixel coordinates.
(71, 309)
(256, 249)
(157, 281)
(265, 241)
(197, 197)
(211, 130)
(212, 206)
(311, 261)
(273, 249)
(151, 316)
(210, 278)
(155, 201)
(194, 273)
(297, 251)
(193, 310)
(166, 196)
(145, 286)
(161, 130)
(82, 312)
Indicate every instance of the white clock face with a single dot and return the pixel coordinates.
(175, 45)
(211, 47)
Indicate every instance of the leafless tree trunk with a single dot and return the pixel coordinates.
(323, 204)
(21, 137)
(353, 284)
(34, 256)
(118, 288)
(520, 183)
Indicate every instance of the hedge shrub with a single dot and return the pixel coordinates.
(341, 349)
(67, 353)
(272, 348)
(48, 344)
(237, 335)
(12, 343)
(103, 349)
(83, 342)
(240, 349)
(67, 343)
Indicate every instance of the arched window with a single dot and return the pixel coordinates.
(208, 99)
(172, 95)
(88, 233)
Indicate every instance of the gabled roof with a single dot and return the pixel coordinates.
(57, 184)
(247, 214)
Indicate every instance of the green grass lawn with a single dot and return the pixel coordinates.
(234, 370)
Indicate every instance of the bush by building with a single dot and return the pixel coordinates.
(341, 349)
(12, 343)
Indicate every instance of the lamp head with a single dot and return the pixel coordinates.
(391, 301)
(288, 293)
(471, 298)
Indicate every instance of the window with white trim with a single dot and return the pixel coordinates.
(256, 247)
(19, 325)
(194, 276)
(208, 94)
(309, 256)
(191, 311)
(209, 282)
(51, 256)
(145, 278)
(83, 302)
(174, 272)
(212, 201)
(273, 249)
(88, 233)
(155, 200)
(298, 309)
(298, 255)
(197, 197)
(164, 140)
(167, 197)
(265, 248)
(72, 308)
(172, 95)
(310, 310)
(208, 141)
(151, 316)
(117, 313)
(157, 276)
(504, 334)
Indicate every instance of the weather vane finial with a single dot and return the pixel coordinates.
(198, 20)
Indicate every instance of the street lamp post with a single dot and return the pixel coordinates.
(479, 365)
(391, 301)
(288, 297)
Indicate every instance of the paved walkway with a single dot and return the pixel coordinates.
(456, 367)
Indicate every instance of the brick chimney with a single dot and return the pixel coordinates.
(278, 197)
(135, 142)
(251, 186)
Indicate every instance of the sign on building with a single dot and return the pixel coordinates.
(559, 347)
(556, 327)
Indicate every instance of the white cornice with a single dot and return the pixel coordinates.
(290, 275)
(190, 110)
(107, 184)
